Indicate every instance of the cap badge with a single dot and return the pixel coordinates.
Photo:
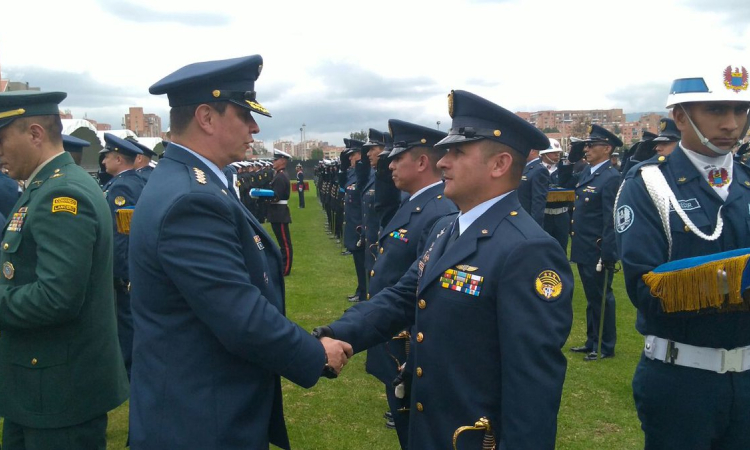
(260, 68)
(8, 270)
(548, 285)
(119, 200)
(735, 80)
(663, 126)
(450, 104)
(589, 129)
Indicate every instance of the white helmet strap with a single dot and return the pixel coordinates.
(708, 143)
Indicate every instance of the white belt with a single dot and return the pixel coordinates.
(280, 202)
(555, 211)
(714, 359)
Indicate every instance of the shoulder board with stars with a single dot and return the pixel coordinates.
(200, 176)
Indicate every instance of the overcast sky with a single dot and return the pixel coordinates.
(344, 65)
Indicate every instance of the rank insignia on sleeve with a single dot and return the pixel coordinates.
(549, 285)
(8, 270)
(457, 280)
(120, 200)
(65, 204)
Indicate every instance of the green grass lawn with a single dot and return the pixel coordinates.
(597, 406)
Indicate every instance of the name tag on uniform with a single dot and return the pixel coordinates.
(258, 242)
(686, 205)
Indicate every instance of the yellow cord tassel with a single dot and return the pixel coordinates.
(561, 196)
(123, 220)
(700, 287)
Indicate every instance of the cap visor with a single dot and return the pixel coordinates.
(457, 138)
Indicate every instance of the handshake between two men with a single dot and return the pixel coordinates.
(337, 352)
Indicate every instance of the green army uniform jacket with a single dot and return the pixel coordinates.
(60, 362)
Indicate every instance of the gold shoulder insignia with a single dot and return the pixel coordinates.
(65, 204)
(466, 268)
(57, 175)
(549, 285)
(120, 200)
(200, 176)
(681, 180)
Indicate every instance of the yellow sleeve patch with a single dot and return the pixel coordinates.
(65, 204)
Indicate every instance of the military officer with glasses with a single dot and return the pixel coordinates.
(593, 246)
(692, 384)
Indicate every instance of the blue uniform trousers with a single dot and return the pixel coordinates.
(593, 286)
(125, 328)
(716, 420)
(558, 226)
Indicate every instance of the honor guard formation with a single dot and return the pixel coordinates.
(161, 284)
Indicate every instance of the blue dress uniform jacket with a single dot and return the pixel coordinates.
(532, 192)
(211, 338)
(593, 234)
(370, 222)
(145, 172)
(122, 191)
(682, 407)
(496, 354)
(401, 243)
(643, 246)
(557, 216)
(352, 211)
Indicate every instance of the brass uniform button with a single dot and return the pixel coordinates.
(419, 371)
(5, 246)
(576, 197)
(381, 250)
(687, 228)
(662, 158)
(422, 304)
(420, 408)
(419, 209)
(420, 337)
(368, 296)
(440, 196)
(572, 233)
(34, 361)
(586, 199)
(514, 213)
(372, 272)
(571, 221)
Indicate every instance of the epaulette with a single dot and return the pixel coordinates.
(636, 169)
(200, 175)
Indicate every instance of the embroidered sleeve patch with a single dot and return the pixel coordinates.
(549, 285)
(65, 204)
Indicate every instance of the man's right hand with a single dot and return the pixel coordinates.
(337, 353)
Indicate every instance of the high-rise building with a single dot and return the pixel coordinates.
(143, 125)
